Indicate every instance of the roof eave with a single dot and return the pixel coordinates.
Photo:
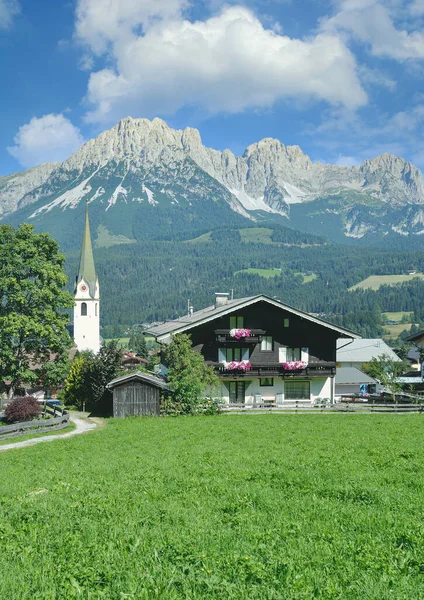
(166, 337)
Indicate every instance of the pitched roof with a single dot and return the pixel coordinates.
(364, 350)
(86, 269)
(352, 375)
(162, 332)
(139, 376)
(415, 336)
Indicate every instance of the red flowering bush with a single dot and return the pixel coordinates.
(22, 408)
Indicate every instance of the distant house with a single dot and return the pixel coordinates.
(350, 381)
(360, 351)
(132, 362)
(137, 394)
(263, 351)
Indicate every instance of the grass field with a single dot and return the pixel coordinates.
(262, 272)
(396, 316)
(394, 330)
(307, 278)
(256, 235)
(227, 507)
(375, 281)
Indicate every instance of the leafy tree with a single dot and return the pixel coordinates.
(105, 366)
(76, 384)
(90, 373)
(189, 376)
(387, 372)
(137, 342)
(32, 302)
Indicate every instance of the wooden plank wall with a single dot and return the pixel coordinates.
(135, 399)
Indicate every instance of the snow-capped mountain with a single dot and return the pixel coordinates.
(143, 169)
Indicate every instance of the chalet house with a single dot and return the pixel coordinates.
(264, 351)
(355, 353)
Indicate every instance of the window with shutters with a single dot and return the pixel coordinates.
(236, 322)
(293, 354)
(266, 344)
(297, 390)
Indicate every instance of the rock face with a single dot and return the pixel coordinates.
(149, 163)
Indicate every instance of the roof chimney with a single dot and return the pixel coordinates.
(221, 298)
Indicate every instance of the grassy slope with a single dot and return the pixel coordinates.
(224, 507)
(262, 272)
(375, 281)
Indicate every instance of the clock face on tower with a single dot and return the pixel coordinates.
(83, 288)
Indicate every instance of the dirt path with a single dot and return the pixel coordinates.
(82, 424)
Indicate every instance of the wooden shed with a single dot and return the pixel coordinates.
(137, 394)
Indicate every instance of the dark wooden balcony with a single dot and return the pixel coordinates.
(223, 336)
(321, 369)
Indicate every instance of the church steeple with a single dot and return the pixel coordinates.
(86, 269)
(87, 297)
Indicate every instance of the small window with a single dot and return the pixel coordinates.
(266, 344)
(293, 354)
(236, 322)
(286, 323)
(297, 390)
(83, 309)
(266, 382)
(95, 309)
(233, 354)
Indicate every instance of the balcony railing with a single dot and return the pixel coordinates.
(255, 337)
(320, 369)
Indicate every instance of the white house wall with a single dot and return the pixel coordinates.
(320, 388)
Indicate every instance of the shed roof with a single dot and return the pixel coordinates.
(364, 350)
(352, 375)
(162, 332)
(139, 376)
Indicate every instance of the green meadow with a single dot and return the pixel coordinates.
(231, 507)
(375, 281)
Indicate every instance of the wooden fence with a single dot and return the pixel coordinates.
(40, 425)
(301, 407)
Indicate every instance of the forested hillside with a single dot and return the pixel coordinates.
(152, 280)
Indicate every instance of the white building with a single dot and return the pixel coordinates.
(87, 297)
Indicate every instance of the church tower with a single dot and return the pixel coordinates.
(87, 297)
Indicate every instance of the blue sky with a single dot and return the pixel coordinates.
(344, 80)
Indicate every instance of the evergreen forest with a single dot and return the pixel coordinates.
(152, 280)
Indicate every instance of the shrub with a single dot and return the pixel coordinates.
(22, 408)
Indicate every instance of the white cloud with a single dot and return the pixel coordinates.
(102, 22)
(373, 23)
(8, 10)
(347, 161)
(229, 62)
(47, 139)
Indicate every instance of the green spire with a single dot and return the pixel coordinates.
(86, 269)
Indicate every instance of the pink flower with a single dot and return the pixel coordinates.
(240, 333)
(238, 365)
(294, 365)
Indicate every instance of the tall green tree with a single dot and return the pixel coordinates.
(387, 372)
(32, 302)
(90, 373)
(190, 378)
(137, 342)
